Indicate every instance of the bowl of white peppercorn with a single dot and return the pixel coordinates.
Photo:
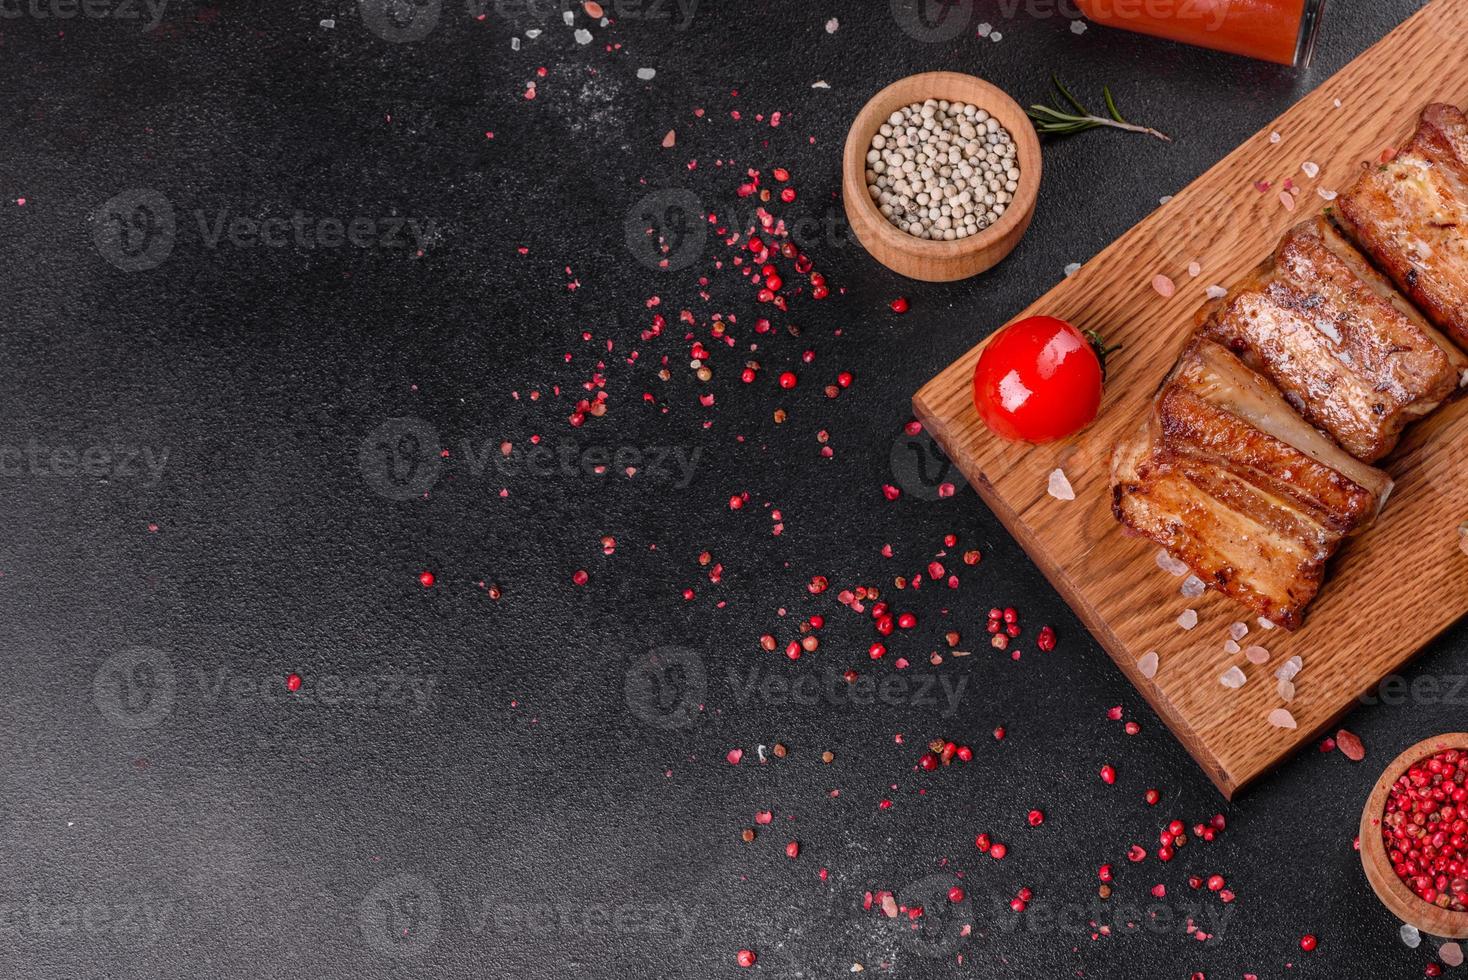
(940, 176)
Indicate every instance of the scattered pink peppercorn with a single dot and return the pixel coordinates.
(787, 379)
(1046, 640)
(1108, 775)
(997, 851)
(899, 305)
(877, 651)
(580, 577)
(1152, 796)
(426, 579)
(929, 761)
(1308, 943)
(745, 957)
(981, 841)
(293, 682)
(964, 753)
(955, 894)
(1036, 817)
(1215, 883)
(907, 621)
(792, 850)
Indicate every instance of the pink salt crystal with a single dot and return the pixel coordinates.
(1165, 287)
(1286, 690)
(1216, 292)
(1148, 664)
(1256, 655)
(670, 139)
(1310, 169)
(1188, 619)
(1194, 269)
(1451, 954)
(734, 756)
(889, 906)
(1060, 487)
(1280, 718)
(1238, 631)
(1287, 199)
(1231, 647)
(1233, 678)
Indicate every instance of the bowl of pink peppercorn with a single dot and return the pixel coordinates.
(1414, 836)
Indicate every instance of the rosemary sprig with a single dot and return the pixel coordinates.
(1057, 121)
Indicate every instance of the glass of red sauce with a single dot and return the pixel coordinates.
(1282, 31)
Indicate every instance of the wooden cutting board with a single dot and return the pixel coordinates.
(1390, 591)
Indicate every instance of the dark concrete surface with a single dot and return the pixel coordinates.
(205, 490)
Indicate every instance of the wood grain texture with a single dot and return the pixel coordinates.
(1393, 891)
(919, 258)
(1389, 591)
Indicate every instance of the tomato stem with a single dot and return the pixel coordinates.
(1098, 344)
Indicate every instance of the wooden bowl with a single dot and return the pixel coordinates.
(1393, 891)
(919, 258)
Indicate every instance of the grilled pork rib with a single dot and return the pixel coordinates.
(1411, 216)
(1226, 477)
(1353, 357)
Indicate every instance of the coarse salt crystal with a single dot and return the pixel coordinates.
(985, 28)
(1165, 287)
(1286, 690)
(1256, 655)
(1230, 647)
(1310, 169)
(1216, 292)
(1148, 664)
(1170, 564)
(1287, 199)
(670, 139)
(1275, 137)
(647, 74)
(329, 23)
(1451, 954)
(1194, 269)
(832, 26)
(1233, 678)
(1325, 193)
(1165, 199)
(995, 36)
(1337, 103)
(1188, 619)
(1267, 624)
(822, 83)
(1281, 718)
(1072, 268)
(1290, 668)
(582, 35)
(1078, 27)
(1238, 631)
(1411, 938)
(533, 33)
(568, 17)
(1192, 587)
(514, 44)
(1060, 487)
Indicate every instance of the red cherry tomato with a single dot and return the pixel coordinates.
(1038, 380)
